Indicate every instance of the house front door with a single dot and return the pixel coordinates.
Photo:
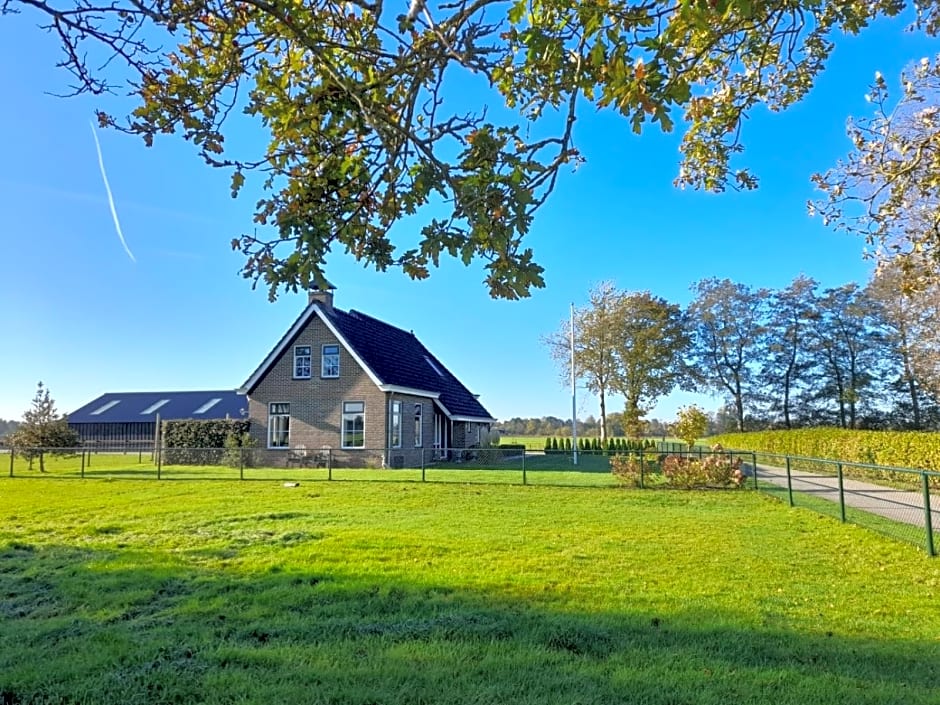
(440, 435)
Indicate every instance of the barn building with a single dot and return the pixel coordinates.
(130, 418)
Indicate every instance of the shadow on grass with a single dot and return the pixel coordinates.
(89, 626)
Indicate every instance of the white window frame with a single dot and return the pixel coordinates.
(299, 357)
(334, 366)
(395, 413)
(349, 414)
(419, 425)
(278, 411)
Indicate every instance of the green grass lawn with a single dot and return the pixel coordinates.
(401, 592)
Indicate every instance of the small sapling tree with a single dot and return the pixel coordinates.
(43, 430)
(691, 424)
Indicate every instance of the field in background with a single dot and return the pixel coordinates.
(144, 592)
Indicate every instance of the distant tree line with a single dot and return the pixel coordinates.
(588, 427)
(851, 356)
(7, 427)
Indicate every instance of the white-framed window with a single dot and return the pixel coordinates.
(395, 436)
(329, 361)
(278, 425)
(354, 424)
(302, 355)
(419, 425)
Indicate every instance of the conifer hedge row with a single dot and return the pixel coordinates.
(589, 445)
(918, 450)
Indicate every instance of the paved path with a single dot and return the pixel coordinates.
(904, 506)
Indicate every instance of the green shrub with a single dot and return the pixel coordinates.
(554, 443)
(548, 443)
(627, 469)
(918, 450)
(712, 471)
(202, 442)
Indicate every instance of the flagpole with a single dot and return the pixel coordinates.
(574, 403)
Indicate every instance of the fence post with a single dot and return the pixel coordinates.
(524, 478)
(159, 463)
(928, 519)
(789, 483)
(642, 470)
(83, 465)
(841, 494)
(329, 463)
(423, 476)
(12, 453)
(754, 465)
(241, 463)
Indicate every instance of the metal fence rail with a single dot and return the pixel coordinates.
(898, 502)
(497, 465)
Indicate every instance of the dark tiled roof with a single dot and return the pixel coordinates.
(128, 407)
(398, 358)
(394, 356)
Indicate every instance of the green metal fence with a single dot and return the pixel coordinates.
(898, 502)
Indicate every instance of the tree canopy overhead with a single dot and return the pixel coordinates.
(354, 98)
(888, 188)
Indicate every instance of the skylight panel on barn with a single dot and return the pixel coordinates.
(153, 407)
(208, 405)
(101, 409)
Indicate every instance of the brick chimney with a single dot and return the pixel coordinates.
(323, 296)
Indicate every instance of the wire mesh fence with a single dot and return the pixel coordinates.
(899, 502)
(590, 468)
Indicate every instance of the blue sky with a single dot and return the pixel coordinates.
(79, 315)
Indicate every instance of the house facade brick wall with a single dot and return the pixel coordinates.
(316, 404)
(381, 367)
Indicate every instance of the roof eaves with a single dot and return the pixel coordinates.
(398, 389)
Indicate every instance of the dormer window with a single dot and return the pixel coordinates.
(302, 362)
(329, 366)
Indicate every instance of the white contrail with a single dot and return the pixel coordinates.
(107, 187)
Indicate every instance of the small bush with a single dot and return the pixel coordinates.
(627, 469)
(713, 471)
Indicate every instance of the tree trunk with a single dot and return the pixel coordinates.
(915, 402)
(603, 417)
(42, 461)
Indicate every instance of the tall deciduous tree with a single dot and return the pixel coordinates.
(727, 322)
(844, 347)
(888, 188)
(908, 317)
(651, 338)
(788, 328)
(356, 102)
(43, 430)
(596, 341)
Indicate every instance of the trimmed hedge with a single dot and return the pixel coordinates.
(918, 450)
(205, 442)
